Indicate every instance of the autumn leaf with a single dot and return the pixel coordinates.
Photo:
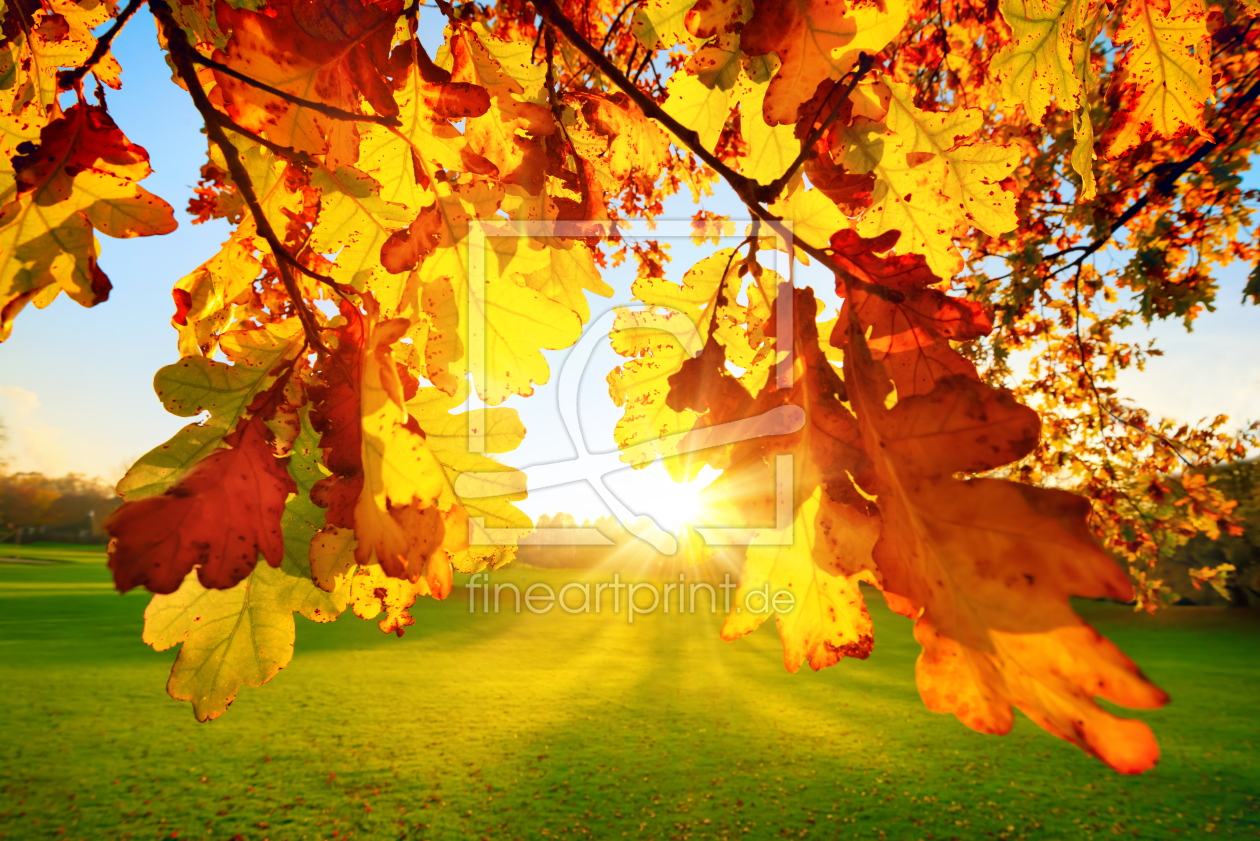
(384, 479)
(634, 146)
(1162, 80)
(217, 519)
(333, 52)
(910, 323)
(986, 567)
(824, 548)
(476, 485)
(1047, 60)
(81, 178)
(244, 635)
(37, 41)
(509, 134)
(929, 183)
(660, 24)
(827, 619)
(815, 40)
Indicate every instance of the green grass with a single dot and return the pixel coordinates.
(563, 726)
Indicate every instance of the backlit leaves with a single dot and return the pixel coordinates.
(244, 635)
(815, 40)
(81, 178)
(413, 229)
(1163, 79)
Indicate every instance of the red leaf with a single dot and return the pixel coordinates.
(912, 327)
(217, 519)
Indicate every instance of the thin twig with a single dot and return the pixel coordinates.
(1089, 378)
(322, 108)
(182, 53)
(616, 21)
(745, 187)
(67, 79)
(864, 65)
(288, 152)
(720, 300)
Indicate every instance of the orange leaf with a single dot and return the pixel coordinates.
(333, 52)
(911, 328)
(218, 518)
(987, 568)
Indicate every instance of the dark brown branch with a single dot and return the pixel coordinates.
(746, 188)
(322, 108)
(67, 79)
(287, 152)
(182, 54)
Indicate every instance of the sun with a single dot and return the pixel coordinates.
(653, 492)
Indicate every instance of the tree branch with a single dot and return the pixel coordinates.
(322, 108)
(750, 192)
(1169, 175)
(746, 188)
(182, 54)
(67, 79)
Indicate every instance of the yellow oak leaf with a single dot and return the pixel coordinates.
(771, 148)
(372, 592)
(928, 181)
(510, 133)
(717, 17)
(206, 299)
(400, 472)
(661, 24)
(81, 178)
(699, 107)
(825, 618)
(632, 144)
(1163, 79)
(561, 270)
(659, 343)
(1047, 58)
(489, 490)
(814, 217)
(661, 338)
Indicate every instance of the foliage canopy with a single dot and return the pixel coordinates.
(960, 167)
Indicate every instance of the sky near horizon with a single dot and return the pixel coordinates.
(76, 384)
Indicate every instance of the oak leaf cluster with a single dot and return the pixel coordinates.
(416, 219)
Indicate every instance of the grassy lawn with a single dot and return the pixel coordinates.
(560, 726)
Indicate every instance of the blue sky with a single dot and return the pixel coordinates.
(76, 384)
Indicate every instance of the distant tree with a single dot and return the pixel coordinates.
(33, 500)
(1227, 568)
